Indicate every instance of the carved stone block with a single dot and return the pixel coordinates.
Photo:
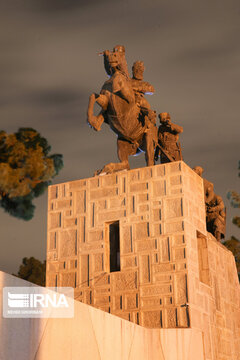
(170, 272)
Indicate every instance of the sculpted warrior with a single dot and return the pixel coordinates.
(147, 115)
(216, 217)
(208, 186)
(215, 212)
(140, 87)
(168, 144)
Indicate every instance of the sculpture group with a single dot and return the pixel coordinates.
(128, 113)
(125, 109)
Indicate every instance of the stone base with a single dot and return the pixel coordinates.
(93, 335)
(173, 273)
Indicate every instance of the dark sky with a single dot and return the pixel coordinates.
(49, 67)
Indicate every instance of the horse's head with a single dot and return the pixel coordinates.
(115, 60)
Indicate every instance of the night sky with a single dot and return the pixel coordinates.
(49, 67)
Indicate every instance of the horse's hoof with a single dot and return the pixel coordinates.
(97, 172)
(108, 169)
(100, 172)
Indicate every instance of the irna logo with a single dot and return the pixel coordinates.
(36, 300)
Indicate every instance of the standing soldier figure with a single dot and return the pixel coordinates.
(168, 135)
(216, 217)
(215, 211)
(208, 186)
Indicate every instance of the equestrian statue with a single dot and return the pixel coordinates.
(125, 109)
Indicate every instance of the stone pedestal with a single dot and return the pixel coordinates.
(171, 273)
(91, 335)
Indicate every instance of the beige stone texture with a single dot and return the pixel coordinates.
(173, 274)
(93, 335)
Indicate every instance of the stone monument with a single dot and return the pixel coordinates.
(135, 243)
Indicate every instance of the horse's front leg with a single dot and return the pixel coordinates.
(94, 121)
(125, 149)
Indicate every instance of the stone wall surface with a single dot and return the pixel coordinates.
(214, 297)
(173, 274)
(93, 335)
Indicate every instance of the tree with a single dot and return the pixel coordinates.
(33, 270)
(234, 244)
(234, 198)
(26, 170)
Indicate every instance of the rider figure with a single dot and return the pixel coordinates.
(139, 86)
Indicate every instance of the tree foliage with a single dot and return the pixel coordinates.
(234, 198)
(33, 270)
(26, 170)
(234, 244)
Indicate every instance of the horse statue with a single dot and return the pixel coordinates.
(125, 110)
